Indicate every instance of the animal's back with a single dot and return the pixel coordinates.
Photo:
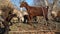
(37, 11)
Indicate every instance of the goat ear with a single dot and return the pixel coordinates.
(21, 2)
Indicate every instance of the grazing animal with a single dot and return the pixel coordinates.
(19, 15)
(56, 15)
(35, 11)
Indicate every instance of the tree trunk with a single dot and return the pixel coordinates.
(54, 4)
(46, 2)
(51, 8)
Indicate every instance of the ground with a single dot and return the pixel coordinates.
(21, 27)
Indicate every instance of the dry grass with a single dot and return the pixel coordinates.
(21, 27)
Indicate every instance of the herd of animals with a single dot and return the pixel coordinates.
(8, 13)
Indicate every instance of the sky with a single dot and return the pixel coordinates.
(30, 2)
(17, 2)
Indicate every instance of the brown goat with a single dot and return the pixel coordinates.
(35, 11)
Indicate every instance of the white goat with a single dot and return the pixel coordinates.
(20, 14)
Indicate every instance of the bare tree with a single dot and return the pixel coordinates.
(5, 3)
(54, 4)
(52, 7)
(46, 2)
